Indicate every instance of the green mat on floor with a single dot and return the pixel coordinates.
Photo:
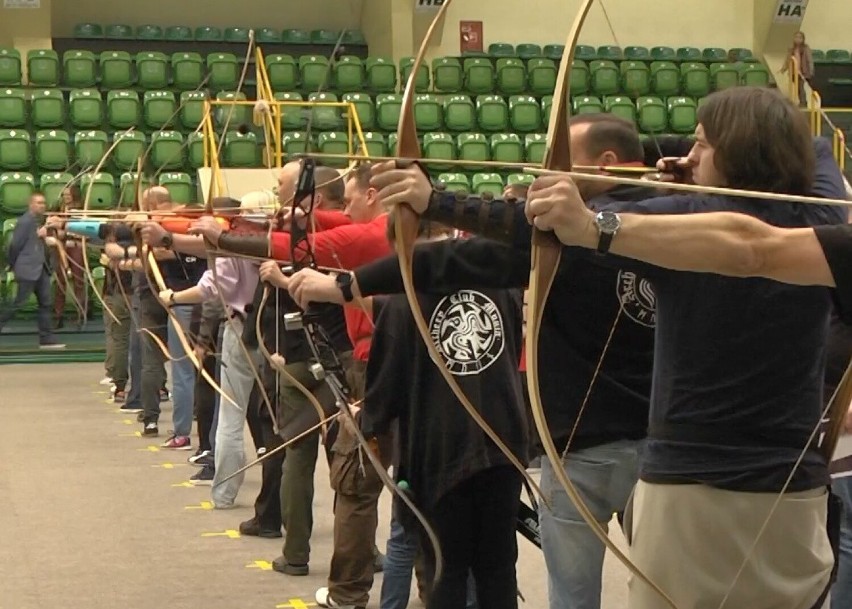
(19, 344)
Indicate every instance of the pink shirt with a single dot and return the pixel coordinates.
(237, 279)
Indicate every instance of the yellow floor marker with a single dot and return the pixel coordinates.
(186, 484)
(263, 565)
(153, 448)
(230, 534)
(169, 465)
(204, 505)
(135, 434)
(295, 603)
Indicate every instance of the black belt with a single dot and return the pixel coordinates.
(727, 436)
(238, 315)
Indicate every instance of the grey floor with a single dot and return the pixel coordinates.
(92, 516)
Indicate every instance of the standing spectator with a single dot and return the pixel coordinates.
(805, 62)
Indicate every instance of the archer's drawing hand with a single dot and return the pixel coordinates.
(408, 185)
(208, 227)
(271, 273)
(309, 286)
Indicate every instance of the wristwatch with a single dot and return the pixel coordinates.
(608, 223)
(172, 301)
(344, 283)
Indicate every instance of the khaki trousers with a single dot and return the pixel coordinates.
(691, 540)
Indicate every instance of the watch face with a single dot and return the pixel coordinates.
(608, 222)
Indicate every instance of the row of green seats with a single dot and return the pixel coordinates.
(589, 53)
(831, 56)
(481, 183)
(107, 192)
(206, 33)
(9, 291)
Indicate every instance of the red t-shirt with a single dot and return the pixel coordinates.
(346, 246)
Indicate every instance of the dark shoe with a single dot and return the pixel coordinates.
(51, 344)
(378, 561)
(141, 416)
(119, 396)
(252, 529)
(165, 396)
(150, 429)
(203, 477)
(281, 565)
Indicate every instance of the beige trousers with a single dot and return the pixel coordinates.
(691, 540)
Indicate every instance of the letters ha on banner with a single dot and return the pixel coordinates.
(428, 5)
(790, 11)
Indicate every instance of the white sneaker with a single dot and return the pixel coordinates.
(106, 381)
(324, 599)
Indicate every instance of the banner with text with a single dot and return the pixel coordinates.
(790, 11)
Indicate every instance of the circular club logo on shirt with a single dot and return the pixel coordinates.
(637, 299)
(468, 331)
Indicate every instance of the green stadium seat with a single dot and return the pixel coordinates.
(490, 183)
(233, 115)
(294, 36)
(541, 76)
(428, 113)
(501, 49)
(695, 79)
(473, 147)
(192, 109)
(152, 70)
(326, 118)
(79, 69)
(492, 113)
(293, 118)
(206, 33)
(635, 78)
(90, 147)
(376, 144)
(116, 70)
(423, 76)
(123, 109)
(507, 148)
(523, 179)
(459, 113)
(653, 117)
(621, 106)
(511, 76)
(610, 52)
(15, 191)
(42, 68)
(388, 108)
(524, 113)
(10, 68)
(439, 146)
(455, 182)
(179, 185)
(665, 78)
(47, 107)
(587, 104)
(663, 54)
(13, 108)
(478, 75)
(554, 51)
(690, 54)
(268, 35)
(447, 74)
(295, 143)
(195, 150)
(118, 31)
(15, 149)
(585, 52)
(224, 71)
(102, 185)
(127, 188)
(52, 150)
(818, 56)
(546, 104)
(348, 74)
(724, 76)
(128, 150)
(159, 109)
(149, 32)
(580, 78)
(178, 33)
(354, 37)
(51, 185)
(314, 71)
(334, 142)
(88, 31)
(240, 150)
(637, 53)
(364, 109)
(381, 75)
(283, 72)
(740, 54)
(527, 51)
(324, 37)
(755, 75)
(187, 71)
(714, 55)
(683, 114)
(604, 77)
(236, 34)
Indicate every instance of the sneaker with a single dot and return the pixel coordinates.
(202, 458)
(203, 477)
(281, 565)
(51, 344)
(178, 443)
(323, 598)
(105, 381)
(131, 410)
(165, 396)
(197, 455)
(252, 528)
(150, 429)
(119, 396)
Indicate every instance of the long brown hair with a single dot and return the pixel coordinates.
(761, 140)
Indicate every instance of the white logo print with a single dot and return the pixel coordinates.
(637, 299)
(467, 329)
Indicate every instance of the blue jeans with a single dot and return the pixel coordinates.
(183, 374)
(605, 476)
(400, 553)
(841, 592)
(134, 396)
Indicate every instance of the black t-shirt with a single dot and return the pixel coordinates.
(836, 242)
(478, 332)
(182, 272)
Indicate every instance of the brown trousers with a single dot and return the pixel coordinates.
(75, 253)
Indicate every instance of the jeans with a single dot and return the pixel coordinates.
(41, 287)
(605, 476)
(183, 374)
(841, 591)
(134, 396)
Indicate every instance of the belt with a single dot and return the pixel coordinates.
(238, 315)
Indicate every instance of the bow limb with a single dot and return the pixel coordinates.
(406, 224)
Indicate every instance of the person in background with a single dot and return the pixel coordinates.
(805, 62)
(71, 200)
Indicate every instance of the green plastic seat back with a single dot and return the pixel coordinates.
(16, 188)
(48, 108)
(13, 108)
(507, 148)
(459, 113)
(192, 109)
(283, 72)
(179, 185)
(43, 68)
(103, 190)
(52, 149)
(116, 70)
(223, 70)
(15, 150)
(524, 114)
(90, 147)
(388, 108)
(129, 148)
(492, 113)
(79, 69)
(159, 109)
(123, 109)
(152, 70)
(364, 109)
(10, 68)
(167, 150)
(334, 143)
(187, 70)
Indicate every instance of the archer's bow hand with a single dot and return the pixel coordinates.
(271, 273)
(207, 227)
(409, 185)
(152, 234)
(309, 286)
(554, 204)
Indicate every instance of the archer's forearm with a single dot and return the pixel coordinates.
(249, 245)
(189, 244)
(193, 295)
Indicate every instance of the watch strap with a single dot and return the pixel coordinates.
(604, 242)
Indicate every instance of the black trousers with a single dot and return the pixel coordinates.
(155, 318)
(267, 506)
(475, 524)
(204, 396)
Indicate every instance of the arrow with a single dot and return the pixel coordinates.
(204, 505)
(186, 484)
(230, 533)
(263, 565)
